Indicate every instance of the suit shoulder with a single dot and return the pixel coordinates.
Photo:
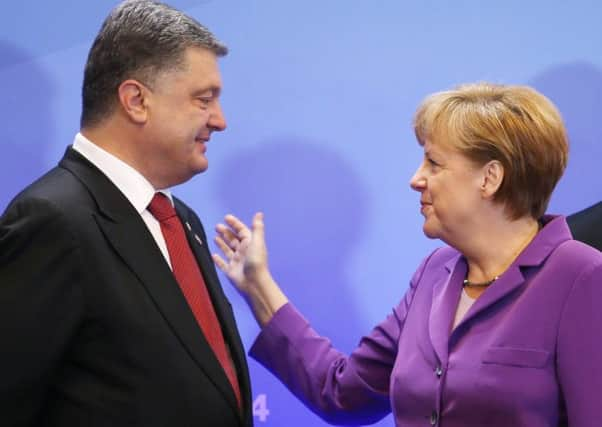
(35, 219)
(590, 214)
(586, 225)
(56, 196)
(573, 263)
(575, 254)
(588, 219)
(58, 186)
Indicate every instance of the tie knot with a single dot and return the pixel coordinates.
(161, 207)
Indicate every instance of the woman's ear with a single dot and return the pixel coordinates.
(133, 99)
(493, 176)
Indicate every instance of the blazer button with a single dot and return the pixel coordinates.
(438, 371)
(434, 418)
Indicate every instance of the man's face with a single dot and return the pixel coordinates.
(183, 111)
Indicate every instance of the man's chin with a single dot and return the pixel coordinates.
(192, 171)
(201, 165)
(202, 168)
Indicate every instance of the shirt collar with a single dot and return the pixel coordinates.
(134, 186)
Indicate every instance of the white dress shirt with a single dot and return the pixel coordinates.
(129, 181)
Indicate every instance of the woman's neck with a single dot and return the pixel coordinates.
(491, 251)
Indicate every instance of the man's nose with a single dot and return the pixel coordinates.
(217, 119)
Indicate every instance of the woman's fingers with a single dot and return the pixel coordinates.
(221, 264)
(226, 249)
(258, 226)
(241, 231)
(228, 236)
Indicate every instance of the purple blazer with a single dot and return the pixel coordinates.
(527, 353)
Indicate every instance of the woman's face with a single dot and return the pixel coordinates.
(450, 187)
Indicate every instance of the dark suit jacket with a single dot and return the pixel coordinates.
(94, 329)
(586, 225)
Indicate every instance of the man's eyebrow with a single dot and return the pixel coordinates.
(215, 91)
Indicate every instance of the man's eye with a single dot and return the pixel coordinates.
(204, 101)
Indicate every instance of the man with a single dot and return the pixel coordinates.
(111, 312)
(586, 225)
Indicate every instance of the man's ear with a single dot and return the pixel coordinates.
(133, 99)
(493, 176)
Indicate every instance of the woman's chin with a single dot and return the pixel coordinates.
(430, 231)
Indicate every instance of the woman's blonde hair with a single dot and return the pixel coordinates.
(515, 125)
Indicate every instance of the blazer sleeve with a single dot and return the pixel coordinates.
(579, 353)
(341, 389)
(40, 304)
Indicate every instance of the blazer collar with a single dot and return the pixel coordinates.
(446, 293)
(128, 235)
(110, 201)
(198, 242)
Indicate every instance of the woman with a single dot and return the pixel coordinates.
(499, 328)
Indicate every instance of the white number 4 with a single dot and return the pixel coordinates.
(260, 407)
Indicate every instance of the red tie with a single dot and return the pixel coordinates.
(189, 277)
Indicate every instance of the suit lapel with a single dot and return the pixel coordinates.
(534, 255)
(128, 235)
(446, 295)
(197, 241)
(511, 280)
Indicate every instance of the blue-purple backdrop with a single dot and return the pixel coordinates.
(319, 97)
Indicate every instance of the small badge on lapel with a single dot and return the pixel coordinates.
(198, 239)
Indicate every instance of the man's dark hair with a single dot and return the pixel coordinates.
(139, 40)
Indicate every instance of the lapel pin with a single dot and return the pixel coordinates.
(198, 239)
